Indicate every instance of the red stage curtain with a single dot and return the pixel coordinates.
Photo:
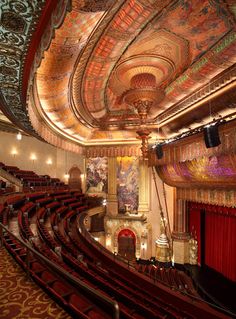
(195, 225)
(220, 240)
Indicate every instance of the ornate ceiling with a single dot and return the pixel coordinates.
(86, 73)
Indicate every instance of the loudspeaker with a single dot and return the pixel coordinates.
(211, 136)
(159, 151)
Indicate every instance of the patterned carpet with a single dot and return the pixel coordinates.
(21, 298)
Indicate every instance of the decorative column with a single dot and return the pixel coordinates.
(144, 187)
(112, 202)
(180, 233)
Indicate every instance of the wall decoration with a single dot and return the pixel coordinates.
(97, 172)
(221, 197)
(127, 183)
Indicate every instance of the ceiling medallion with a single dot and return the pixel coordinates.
(142, 95)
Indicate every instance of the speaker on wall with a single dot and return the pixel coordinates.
(159, 151)
(211, 136)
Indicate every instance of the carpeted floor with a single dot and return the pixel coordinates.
(21, 298)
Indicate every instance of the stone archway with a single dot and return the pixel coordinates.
(74, 181)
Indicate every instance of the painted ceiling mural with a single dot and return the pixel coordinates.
(93, 72)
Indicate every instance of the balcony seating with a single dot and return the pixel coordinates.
(31, 180)
(2, 184)
(61, 211)
(35, 196)
(4, 211)
(137, 296)
(15, 201)
(69, 201)
(52, 206)
(24, 226)
(29, 208)
(41, 214)
(61, 197)
(44, 201)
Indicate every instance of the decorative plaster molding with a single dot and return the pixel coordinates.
(222, 197)
(193, 147)
(112, 151)
(221, 81)
(16, 36)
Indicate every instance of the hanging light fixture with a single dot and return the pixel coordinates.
(142, 96)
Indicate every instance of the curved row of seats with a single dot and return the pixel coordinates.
(31, 180)
(58, 238)
(170, 276)
(73, 300)
(5, 188)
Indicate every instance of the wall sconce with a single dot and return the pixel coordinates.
(144, 245)
(82, 176)
(19, 136)
(49, 161)
(14, 152)
(33, 157)
(66, 176)
(108, 242)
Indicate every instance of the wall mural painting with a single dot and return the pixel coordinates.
(97, 172)
(127, 183)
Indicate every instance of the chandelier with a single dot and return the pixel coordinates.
(142, 96)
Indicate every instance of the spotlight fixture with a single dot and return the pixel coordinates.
(211, 136)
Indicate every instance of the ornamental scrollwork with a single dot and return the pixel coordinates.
(11, 39)
(18, 21)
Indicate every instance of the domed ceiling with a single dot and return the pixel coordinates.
(97, 72)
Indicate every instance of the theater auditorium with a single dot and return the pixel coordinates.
(117, 159)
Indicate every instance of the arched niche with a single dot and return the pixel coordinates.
(74, 180)
(132, 235)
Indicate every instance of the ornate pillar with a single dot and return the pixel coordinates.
(144, 187)
(112, 202)
(180, 233)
